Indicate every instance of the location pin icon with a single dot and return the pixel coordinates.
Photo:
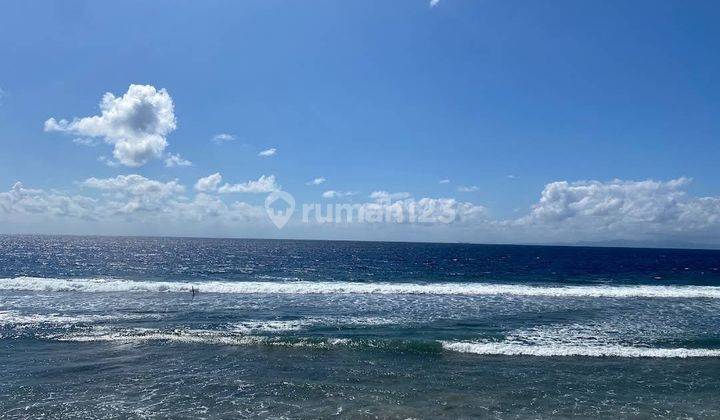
(279, 218)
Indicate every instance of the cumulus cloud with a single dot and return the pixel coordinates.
(264, 184)
(209, 183)
(27, 201)
(176, 160)
(126, 199)
(136, 124)
(611, 202)
(471, 188)
(136, 192)
(222, 138)
(565, 212)
(268, 152)
(618, 209)
(206, 208)
(316, 181)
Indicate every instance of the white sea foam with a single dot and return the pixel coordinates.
(324, 287)
(278, 326)
(247, 327)
(212, 337)
(513, 349)
(18, 318)
(197, 336)
(598, 339)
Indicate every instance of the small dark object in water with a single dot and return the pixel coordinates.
(193, 291)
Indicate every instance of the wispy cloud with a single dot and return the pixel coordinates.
(269, 152)
(444, 181)
(108, 162)
(316, 181)
(434, 3)
(85, 141)
(337, 194)
(467, 188)
(222, 138)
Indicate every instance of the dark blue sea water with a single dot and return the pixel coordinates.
(108, 328)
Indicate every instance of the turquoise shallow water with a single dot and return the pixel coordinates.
(107, 327)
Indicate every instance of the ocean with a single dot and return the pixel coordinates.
(108, 327)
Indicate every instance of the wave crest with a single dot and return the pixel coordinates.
(512, 349)
(326, 287)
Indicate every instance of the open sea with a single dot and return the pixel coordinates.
(101, 327)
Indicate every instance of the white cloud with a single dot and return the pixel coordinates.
(210, 208)
(316, 181)
(337, 194)
(135, 185)
(222, 138)
(268, 152)
(136, 124)
(134, 194)
(209, 183)
(434, 3)
(565, 212)
(594, 210)
(141, 201)
(264, 184)
(125, 199)
(470, 188)
(43, 204)
(386, 196)
(444, 181)
(512, 176)
(611, 202)
(176, 160)
(437, 207)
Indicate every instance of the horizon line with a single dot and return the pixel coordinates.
(580, 244)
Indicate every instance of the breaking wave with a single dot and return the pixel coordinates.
(513, 349)
(13, 318)
(211, 337)
(325, 287)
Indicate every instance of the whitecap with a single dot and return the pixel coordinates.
(514, 349)
(381, 288)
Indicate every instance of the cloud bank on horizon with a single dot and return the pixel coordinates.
(138, 123)
(584, 210)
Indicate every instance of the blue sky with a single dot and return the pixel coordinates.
(502, 97)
